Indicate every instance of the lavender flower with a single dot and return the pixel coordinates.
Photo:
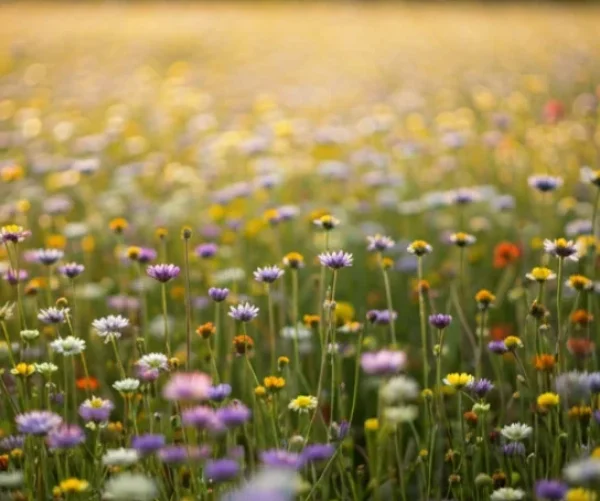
(37, 422)
(53, 315)
(201, 417)
(243, 312)
(219, 392)
(315, 453)
(513, 449)
(148, 443)
(13, 233)
(96, 409)
(13, 278)
(65, 436)
(217, 294)
(281, 459)
(268, 274)
(146, 255)
(379, 243)
(498, 347)
(110, 327)
(178, 454)
(545, 183)
(480, 387)
(153, 361)
(48, 257)
(206, 251)
(381, 317)
(163, 272)
(382, 363)
(221, 470)
(440, 321)
(550, 490)
(187, 386)
(336, 260)
(12, 442)
(235, 414)
(71, 270)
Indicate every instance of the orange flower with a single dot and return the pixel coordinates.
(87, 383)
(505, 253)
(500, 331)
(242, 344)
(206, 330)
(581, 317)
(544, 362)
(580, 347)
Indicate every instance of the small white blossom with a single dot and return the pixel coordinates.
(127, 385)
(68, 346)
(120, 457)
(516, 432)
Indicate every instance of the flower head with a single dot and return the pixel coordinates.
(303, 403)
(37, 422)
(147, 443)
(206, 251)
(71, 270)
(550, 490)
(336, 260)
(110, 327)
(507, 494)
(48, 257)
(379, 243)
(221, 470)
(545, 183)
(130, 487)
(440, 321)
(187, 386)
(127, 385)
(562, 249)
(68, 346)
(268, 274)
(326, 222)
(53, 315)
(547, 400)
(163, 272)
(541, 274)
(65, 436)
(419, 248)
(382, 363)
(484, 299)
(243, 312)
(516, 432)
(293, 260)
(96, 409)
(218, 295)
(461, 239)
(458, 380)
(13, 233)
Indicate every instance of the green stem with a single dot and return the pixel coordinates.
(423, 326)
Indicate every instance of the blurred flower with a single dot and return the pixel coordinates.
(336, 260)
(37, 422)
(243, 312)
(544, 183)
(110, 327)
(163, 272)
(303, 403)
(562, 249)
(383, 362)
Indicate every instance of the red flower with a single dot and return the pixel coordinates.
(554, 110)
(87, 383)
(506, 253)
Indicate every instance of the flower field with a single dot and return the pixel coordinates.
(303, 251)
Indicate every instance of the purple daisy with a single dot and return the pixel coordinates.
(146, 255)
(163, 272)
(280, 458)
(243, 312)
(221, 470)
(37, 422)
(336, 260)
(206, 251)
(71, 270)
(148, 443)
(268, 274)
(498, 347)
(384, 362)
(550, 490)
(201, 417)
(65, 436)
(219, 392)
(480, 387)
(315, 453)
(217, 294)
(96, 409)
(187, 386)
(440, 321)
(235, 414)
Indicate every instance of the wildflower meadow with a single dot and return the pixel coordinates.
(299, 252)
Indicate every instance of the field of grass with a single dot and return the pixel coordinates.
(299, 251)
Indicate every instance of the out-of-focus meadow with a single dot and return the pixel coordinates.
(449, 355)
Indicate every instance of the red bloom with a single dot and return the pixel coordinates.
(87, 383)
(554, 110)
(506, 253)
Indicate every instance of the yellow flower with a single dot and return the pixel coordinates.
(133, 252)
(73, 485)
(580, 494)
(274, 383)
(283, 362)
(56, 242)
(582, 413)
(484, 298)
(161, 233)
(327, 222)
(579, 282)
(23, 206)
(596, 453)
(216, 212)
(419, 248)
(272, 216)
(260, 391)
(458, 380)
(547, 400)
(427, 394)
(344, 312)
(461, 239)
(118, 225)
(293, 260)
(372, 424)
(513, 342)
(541, 274)
(23, 370)
(303, 403)
(16, 453)
(11, 173)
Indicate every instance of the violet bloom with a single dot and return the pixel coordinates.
(336, 260)
(217, 294)
(440, 321)
(279, 458)
(550, 490)
(498, 347)
(48, 257)
(382, 363)
(53, 315)
(545, 183)
(243, 312)
(594, 382)
(219, 392)
(71, 270)
(379, 243)
(178, 454)
(37, 422)
(340, 430)
(147, 375)
(12, 442)
(96, 409)
(123, 303)
(268, 274)
(201, 417)
(163, 272)
(514, 449)
(11, 276)
(65, 436)
(235, 414)
(480, 387)
(147, 443)
(187, 386)
(206, 251)
(13, 233)
(381, 317)
(464, 196)
(221, 470)
(317, 452)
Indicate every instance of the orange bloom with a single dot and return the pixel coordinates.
(242, 344)
(87, 383)
(544, 362)
(505, 253)
(500, 331)
(580, 347)
(581, 317)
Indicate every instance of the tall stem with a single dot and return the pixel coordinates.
(188, 305)
(165, 318)
(423, 325)
(388, 297)
(271, 329)
(559, 338)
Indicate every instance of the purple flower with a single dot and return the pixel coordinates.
(379, 243)
(11, 276)
(235, 414)
(219, 392)
(440, 321)
(96, 409)
(187, 386)
(206, 251)
(545, 183)
(280, 458)
(341, 430)
(177, 454)
(163, 272)
(202, 418)
(594, 382)
(497, 347)
(65, 436)
(464, 196)
(12, 442)
(221, 470)
(514, 449)
(317, 452)
(37, 422)
(382, 363)
(268, 274)
(48, 257)
(146, 255)
(550, 490)
(71, 270)
(336, 260)
(381, 317)
(52, 315)
(217, 294)
(243, 312)
(148, 443)
(123, 303)
(480, 387)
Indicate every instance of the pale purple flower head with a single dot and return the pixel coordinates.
(201, 417)
(206, 251)
(178, 454)
(12, 442)
(268, 274)
(146, 255)
(37, 422)
(280, 458)
(480, 387)
(315, 453)
(65, 436)
(217, 294)
(71, 270)
(48, 257)
(163, 272)
(381, 317)
(219, 392)
(235, 414)
(148, 443)
(13, 279)
(243, 312)
(545, 183)
(53, 315)
(187, 386)
(550, 490)
(96, 409)
(382, 363)
(379, 243)
(336, 260)
(13, 233)
(221, 470)
(514, 449)
(439, 320)
(498, 347)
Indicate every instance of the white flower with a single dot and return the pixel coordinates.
(68, 345)
(46, 368)
(127, 385)
(403, 414)
(130, 487)
(110, 327)
(507, 494)
(583, 471)
(120, 457)
(11, 479)
(399, 389)
(516, 432)
(303, 403)
(289, 332)
(154, 361)
(561, 248)
(7, 311)
(30, 334)
(229, 275)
